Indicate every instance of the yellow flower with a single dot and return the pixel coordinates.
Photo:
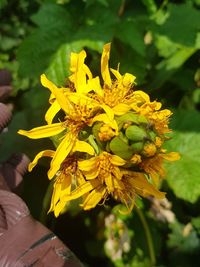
(104, 177)
(153, 166)
(115, 94)
(68, 177)
(158, 118)
(77, 117)
(109, 138)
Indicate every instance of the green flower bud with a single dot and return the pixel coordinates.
(135, 133)
(120, 148)
(137, 147)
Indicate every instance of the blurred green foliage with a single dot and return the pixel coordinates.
(159, 42)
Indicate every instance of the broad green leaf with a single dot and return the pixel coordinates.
(3, 4)
(35, 52)
(184, 241)
(182, 24)
(98, 24)
(129, 32)
(58, 69)
(168, 67)
(183, 176)
(165, 46)
(52, 14)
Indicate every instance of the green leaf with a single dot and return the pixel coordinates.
(130, 61)
(129, 33)
(183, 241)
(167, 67)
(58, 69)
(98, 24)
(3, 3)
(182, 24)
(35, 52)
(52, 14)
(184, 245)
(183, 176)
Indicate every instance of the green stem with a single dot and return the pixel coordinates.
(148, 236)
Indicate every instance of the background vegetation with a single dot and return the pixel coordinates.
(159, 42)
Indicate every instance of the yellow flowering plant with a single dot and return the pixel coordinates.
(109, 140)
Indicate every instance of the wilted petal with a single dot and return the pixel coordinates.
(140, 183)
(172, 156)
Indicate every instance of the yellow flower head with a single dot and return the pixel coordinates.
(108, 139)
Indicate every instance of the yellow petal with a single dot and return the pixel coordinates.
(87, 71)
(121, 109)
(92, 174)
(142, 96)
(66, 186)
(108, 111)
(55, 196)
(116, 160)
(62, 152)
(128, 79)
(104, 65)
(73, 61)
(109, 182)
(116, 73)
(44, 131)
(104, 118)
(58, 92)
(59, 207)
(117, 173)
(82, 146)
(80, 70)
(52, 98)
(172, 156)
(44, 153)
(88, 164)
(118, 184)
(81, 99)
(82, 190)
(51, 112)
(94, 197)
(94, 85)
